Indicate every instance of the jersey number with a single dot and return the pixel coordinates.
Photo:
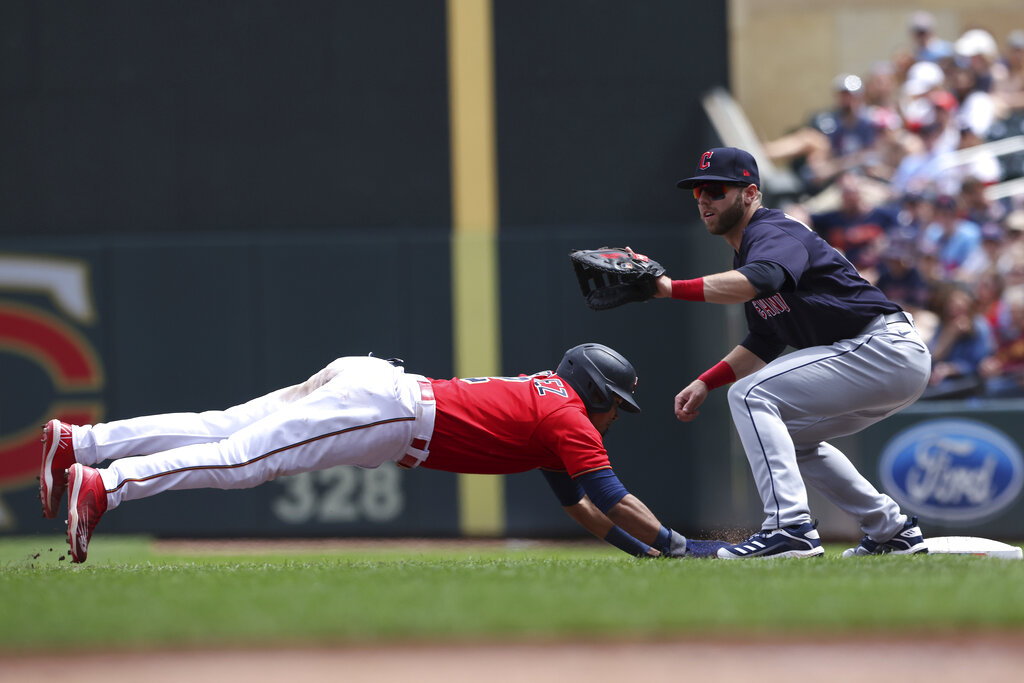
(543, 384)
(550, 386)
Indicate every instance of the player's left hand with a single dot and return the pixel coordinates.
(677, 546)
(689, 400)
(664, 287)
(613, 276)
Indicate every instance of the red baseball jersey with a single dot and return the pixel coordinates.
(502, 425)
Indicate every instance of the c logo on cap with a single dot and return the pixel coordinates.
(705, 161)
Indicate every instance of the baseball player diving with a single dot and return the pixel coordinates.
(858, 358)
(367, 411)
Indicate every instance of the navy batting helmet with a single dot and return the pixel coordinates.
(598, 374)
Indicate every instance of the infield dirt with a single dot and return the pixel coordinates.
(996, 657)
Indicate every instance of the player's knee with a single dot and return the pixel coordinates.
(737, 394)
(748, 395)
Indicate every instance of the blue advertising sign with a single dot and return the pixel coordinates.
(954, 470)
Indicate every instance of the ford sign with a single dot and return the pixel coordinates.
(952, 470)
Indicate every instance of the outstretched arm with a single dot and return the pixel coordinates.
(730, 287)
(610, 513)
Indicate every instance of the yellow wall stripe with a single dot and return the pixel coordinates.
(475, 301)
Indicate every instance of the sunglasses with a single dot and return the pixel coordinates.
(714, 191)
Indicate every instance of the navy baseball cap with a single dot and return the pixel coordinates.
(726, 164)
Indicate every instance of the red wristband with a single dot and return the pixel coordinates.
(718, 375)
(688, 290)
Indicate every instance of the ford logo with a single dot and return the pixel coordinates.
(952, 470)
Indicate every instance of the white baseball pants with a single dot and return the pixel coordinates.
(358, 411)
(785, 412)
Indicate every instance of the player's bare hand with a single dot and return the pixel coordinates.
(690, 399)
(664, 290)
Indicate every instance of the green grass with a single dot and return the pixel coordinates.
(129, 597)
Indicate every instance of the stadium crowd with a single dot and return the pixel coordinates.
(897, 176)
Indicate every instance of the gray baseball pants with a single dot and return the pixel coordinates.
(786, 411)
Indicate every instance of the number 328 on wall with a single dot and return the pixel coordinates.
(340, 494)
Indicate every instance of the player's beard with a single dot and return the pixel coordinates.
(728, 218)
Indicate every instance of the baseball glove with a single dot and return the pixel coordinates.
(610, 276)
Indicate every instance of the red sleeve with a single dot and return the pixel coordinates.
(569, 434)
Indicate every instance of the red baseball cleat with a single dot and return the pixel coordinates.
(87, 501)
(58, 456)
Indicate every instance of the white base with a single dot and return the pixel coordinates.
(972, 545)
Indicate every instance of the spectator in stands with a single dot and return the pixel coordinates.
(920, 170)
(962, 340)
(977, 207)
(881, 90)
(855, 228)
(880, 96)
(971, 82)
(1009, 89)
(988, 294)
(928, 47)
(952, 166)
(837, 140)
(930, 267)
(900, 279)
(1010, 263)
(915, 213)
(848, 126)
(953, 238)
(977, 50)
(946, 111)
(980, 260)
(1003, 371)
(923, 80)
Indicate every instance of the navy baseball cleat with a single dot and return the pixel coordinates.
(908, 541)
(800, 540)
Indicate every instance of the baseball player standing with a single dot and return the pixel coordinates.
(366, 411)
(858, 359)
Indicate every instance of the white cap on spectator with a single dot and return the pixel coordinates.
(1016, 39)
(922, 77)
(915, 87)
(976, 42)
(929, 72)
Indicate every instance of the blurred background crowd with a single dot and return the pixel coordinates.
(916, 174)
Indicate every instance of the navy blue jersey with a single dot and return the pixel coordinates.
(824, 298)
